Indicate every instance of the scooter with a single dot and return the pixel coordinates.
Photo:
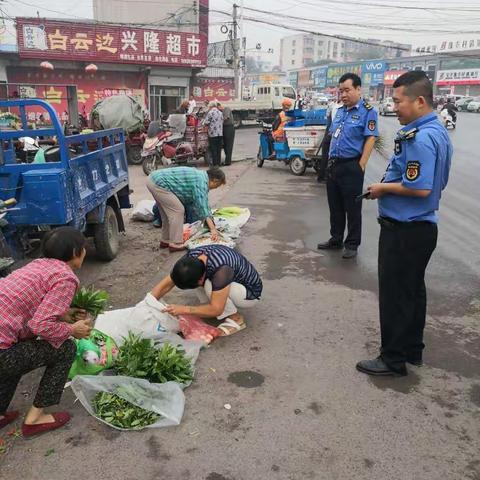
(447, 119)
(6, 261)
(181, 143)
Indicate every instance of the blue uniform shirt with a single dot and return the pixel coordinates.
(349, 129)
(422, 158)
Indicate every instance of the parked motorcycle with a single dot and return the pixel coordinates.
(448, 120)
(180, 141)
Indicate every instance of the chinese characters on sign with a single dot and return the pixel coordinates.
(334, 73)
(451, 45)
(391, 75)
(71, 41)
(467, 76)
(208, 89)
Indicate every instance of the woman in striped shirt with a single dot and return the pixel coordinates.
(229, 281)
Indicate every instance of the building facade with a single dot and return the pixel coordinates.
(103, 59)
(298, 51)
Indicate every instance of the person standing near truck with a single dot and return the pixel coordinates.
(36, 324)
(214, 121)
(228, 133)
(353, 130)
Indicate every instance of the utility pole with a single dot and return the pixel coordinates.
(236, 59)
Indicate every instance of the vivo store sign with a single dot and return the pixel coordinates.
(372, 72)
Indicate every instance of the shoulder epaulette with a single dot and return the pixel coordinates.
(408, 135)
(367, 105)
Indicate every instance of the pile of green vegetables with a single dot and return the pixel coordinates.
(92, 301)
(116, 411)
(138, 357)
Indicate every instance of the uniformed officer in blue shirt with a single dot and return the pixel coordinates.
(353, 131)
(408, 200)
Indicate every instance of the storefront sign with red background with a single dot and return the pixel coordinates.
(213, 88)
(50, 85)
(51, 39)
(391, 75)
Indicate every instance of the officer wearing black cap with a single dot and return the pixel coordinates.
(353, 131)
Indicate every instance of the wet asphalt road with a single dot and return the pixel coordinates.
(300, 410)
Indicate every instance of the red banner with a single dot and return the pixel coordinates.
(391, 75)
(91, 87)
(213, 88)
(51, 39)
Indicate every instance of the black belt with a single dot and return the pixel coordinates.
(344, 159)
(392, 223)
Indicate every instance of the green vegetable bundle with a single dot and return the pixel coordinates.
(138, 357)
(91, 300)
(120, 413)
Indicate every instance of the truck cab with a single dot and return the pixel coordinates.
(273, 94)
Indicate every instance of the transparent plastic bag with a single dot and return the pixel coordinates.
(166, 399)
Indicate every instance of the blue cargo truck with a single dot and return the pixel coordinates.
(79, 180)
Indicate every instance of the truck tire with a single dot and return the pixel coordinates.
(134, 155)
(298, 166)
(260, 159)
(107, 236)
(237, 121)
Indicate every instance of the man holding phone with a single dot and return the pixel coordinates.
(408, 200)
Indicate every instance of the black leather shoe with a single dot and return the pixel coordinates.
(415, 361)
(329, 246)
(379, 368)
(349, 253)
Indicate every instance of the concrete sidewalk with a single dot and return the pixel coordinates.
(299, 409)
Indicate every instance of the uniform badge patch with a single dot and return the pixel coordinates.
(413, 170)
(371, 125)
(398, 147)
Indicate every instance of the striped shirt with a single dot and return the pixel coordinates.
(33, 298)
(189, 184)
(244, 272)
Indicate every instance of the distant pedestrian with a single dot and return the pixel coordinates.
(192, 105)
(353, 130)
(327, 139)
(408, 199)
(299, 103)
(228, 133)
(214, 121)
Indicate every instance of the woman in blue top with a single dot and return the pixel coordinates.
(229, 281)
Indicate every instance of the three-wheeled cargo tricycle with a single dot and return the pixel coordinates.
(72, 183)
(300, 147)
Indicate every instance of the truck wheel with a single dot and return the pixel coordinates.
(134, 155)
(107, 236)
(298, 166)
(151, 163)
(260, 159)
(237, 121)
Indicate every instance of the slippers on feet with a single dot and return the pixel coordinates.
(229, 327)
(61, 418)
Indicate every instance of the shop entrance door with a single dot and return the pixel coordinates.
(165, 100)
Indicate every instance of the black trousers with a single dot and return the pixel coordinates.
(23, 357)
(403, 255)
(215, 146)
(323, 162)
(344, 185)
(228, 141)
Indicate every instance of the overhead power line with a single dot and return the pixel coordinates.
(357, 25)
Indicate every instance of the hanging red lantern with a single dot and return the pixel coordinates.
(47, 65)
(91, 68)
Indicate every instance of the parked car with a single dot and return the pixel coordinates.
(386, 106)
(462, 103)
(474, 105)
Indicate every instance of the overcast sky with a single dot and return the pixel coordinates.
(424, 22)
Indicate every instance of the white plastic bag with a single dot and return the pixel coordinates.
(145, 318)
(143, 211)
(166, 399)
